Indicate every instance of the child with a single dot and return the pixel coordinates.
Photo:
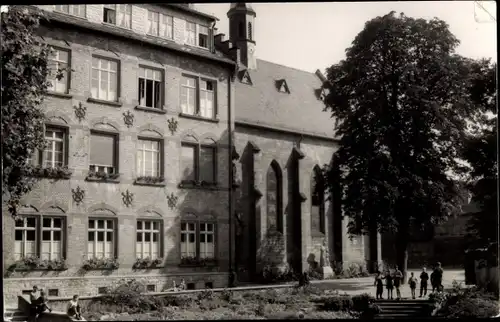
(433, 281)
(182, 286)
(424, 277)
(388, 284)
(74, 308)
(380, 286)
(35, 301)
(413, 285)
(43, 306)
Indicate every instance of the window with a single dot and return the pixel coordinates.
(197, 240)
(150, 87)
(250, 31)
(104, 79)
(203, 36)
(273, 198)
(191, 33)
(198, 163)
(148, 158)
(53, 155)
(198, 97)
(53, 292)
(148, 239)
(118, 14)
(28, 242)
(59, 61)
(153, 22)
(103, 153)
(167, 27)
(160, 25)
(72, 9)
(209, 285)
(151, 288)
(317, 202)
(190, 286)
(102, 290)
(206, 99)
(101, 239)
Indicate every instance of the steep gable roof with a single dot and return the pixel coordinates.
(300, 110)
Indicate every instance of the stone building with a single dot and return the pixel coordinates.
(152, 120)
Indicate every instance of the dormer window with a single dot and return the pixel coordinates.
(118, 14)
(160, 25)
(282, 86)
(245, 77)
(203, 36)
(197, 35)
(75, 10)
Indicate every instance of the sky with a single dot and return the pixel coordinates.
(311, 36)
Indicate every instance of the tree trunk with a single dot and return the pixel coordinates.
(402, 243)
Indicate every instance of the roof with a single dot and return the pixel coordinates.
(189, 8)
(55, 17)
(300, 110)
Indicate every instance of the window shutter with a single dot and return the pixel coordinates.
(102, 149)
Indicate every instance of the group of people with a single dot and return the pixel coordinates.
(393, 281)
(39, 304)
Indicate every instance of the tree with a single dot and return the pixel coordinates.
(480, 151)
(399, 100)
(24, 84)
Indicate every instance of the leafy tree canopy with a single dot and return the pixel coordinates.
(24, 85)
(400, 100)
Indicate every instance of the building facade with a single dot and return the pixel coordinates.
(174, 139)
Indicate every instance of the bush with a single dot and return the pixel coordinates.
(337, 303)
(467, 303)
(362, 302)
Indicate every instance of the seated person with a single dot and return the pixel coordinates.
(43, 304)
(182, 286)
(34, 300)
(74, 309)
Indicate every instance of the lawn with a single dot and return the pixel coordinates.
(289, 303)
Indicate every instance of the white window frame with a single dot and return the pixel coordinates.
(96, 91)
(57, 63)
(142, 150)
(204, 94)
(206, 232)
(52, 229)
(186, 108)
(190, 247)
(25, 229)
(105, 230)
(143, 231)
(157, 76)
(164, 24)
(199, 32)
(51, 147)
(188, 31)
(72, 9)
(152, 22)
(125, 12)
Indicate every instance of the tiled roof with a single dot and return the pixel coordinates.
(300, 110)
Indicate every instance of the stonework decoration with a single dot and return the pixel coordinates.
(325, 255)
(78, 195)
(172, 200)
(127, 198)
(80, 111)
(172, 125)
(128, 119)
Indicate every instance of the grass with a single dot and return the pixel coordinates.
(283, 304)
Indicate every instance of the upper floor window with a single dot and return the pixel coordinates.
(103, 156)
(118, 14)
(150, 87)
(160, 25)
(54, 153)
(104, 79)
(191, 33)
(58, 61)
(72, 9)
(198, 97)
(148, 158)
(203, 36)
(198, 163)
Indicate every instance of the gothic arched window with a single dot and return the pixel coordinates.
(317, 202)
(250, 31)
(273, 198)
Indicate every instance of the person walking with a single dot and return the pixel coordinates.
(388, 284)
(424, 277)
(379, 286)
(398, 277)
(413, 285)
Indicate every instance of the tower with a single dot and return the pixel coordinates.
(241, 32)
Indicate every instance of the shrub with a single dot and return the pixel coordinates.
(462, 303)
(337, 303)
(362, 302)
(100, 263)
(205, 295)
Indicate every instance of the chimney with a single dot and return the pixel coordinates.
(320, 76)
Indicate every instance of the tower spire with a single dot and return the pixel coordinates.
(241, 32)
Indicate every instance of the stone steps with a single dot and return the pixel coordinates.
(14, 315)
(401, 309)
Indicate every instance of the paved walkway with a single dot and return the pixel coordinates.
(355, 286)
